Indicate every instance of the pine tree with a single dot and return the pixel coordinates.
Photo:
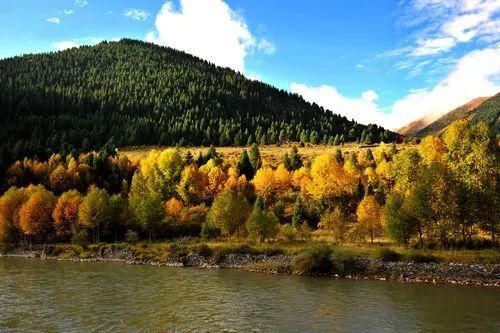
(255, 158)
(245, 166)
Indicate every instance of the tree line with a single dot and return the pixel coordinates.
(444, 192)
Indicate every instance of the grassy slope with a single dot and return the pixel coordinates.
(271, 155)
(466, 111)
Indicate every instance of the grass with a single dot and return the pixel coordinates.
(271, 155)
(219, 249)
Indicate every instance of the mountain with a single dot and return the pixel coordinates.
(135, 93)
(412, 128)
(466, 111)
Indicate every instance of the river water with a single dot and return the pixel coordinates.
(52, 296)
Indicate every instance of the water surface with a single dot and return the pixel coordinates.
(51, 296)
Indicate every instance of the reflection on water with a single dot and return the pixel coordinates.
(51, 296)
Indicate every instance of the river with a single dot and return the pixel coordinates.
(54, 296)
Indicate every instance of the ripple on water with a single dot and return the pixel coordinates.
(40, 295)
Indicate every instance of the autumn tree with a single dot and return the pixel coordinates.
(65, 214)
(35, 216)
(229, 212)
(336, 222)
(328, 179)
(193, 184)
(368, 214)
(264, 182)
(10, 205)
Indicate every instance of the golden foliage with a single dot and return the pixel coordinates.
(369, 217)
(329, 179)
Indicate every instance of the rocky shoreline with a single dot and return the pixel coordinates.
(484, 275)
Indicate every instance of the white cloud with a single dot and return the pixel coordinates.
(266, 46)
(54, 20)
(433, 46)
(362, 109)
(81, 3)
(469, 79)
(137, 14)
(209, 29)
(68, 11)
(77, 42)
(64, 45)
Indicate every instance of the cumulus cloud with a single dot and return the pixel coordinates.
(469, 79)
(137, 14)
(362, 109)
(209, 29)
(65, 44)
(54, 20)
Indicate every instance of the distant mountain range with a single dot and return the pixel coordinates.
(484, 109)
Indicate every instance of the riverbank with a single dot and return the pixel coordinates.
(270, 260)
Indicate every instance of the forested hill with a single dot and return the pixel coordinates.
(135, 93)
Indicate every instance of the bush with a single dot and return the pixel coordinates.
(387, 255)
(422, 258)
(288, 233)
(346, 263)
(209, 231)
(313, 260)
(177, 251)
(202, 250)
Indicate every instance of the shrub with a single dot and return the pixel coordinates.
(313, 260)
(209, 231)
(177, 251)
(288, 233)
(422, 258)
(346, 263)
(131, 236)
(202, 250)
(388, 255)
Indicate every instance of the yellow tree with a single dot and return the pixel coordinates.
(432, 150)
(282, 179)
(10, 205)
(192, 185)
(368, 214)
(301, 179)
(35, 216)
(264, 182)
(216, 181)
(329, 179)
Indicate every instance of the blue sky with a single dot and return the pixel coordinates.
(380, 61)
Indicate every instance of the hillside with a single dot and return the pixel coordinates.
(466, 111)
(137, 93)
(412, 128)
(489, 112)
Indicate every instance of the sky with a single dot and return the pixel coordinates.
(385, 62)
